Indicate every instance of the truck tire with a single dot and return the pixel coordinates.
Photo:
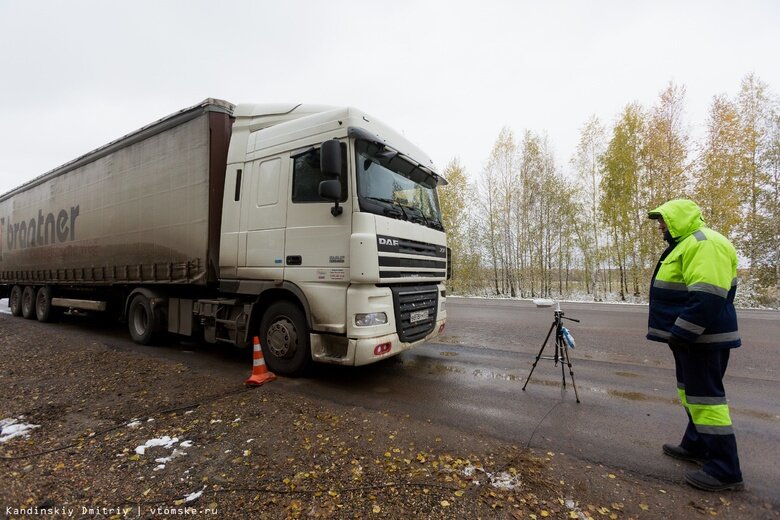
(28, 303)
(142, 321)
(15, 300)
(284, 338)
(43, 308)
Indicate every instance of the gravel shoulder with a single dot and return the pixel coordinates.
(132, 434)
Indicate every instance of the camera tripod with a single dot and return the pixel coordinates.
(561, 353)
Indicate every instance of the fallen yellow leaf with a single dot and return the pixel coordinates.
(376, 509)
(644, 507)
(444, 503)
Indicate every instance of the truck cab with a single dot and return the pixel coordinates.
(332, 218)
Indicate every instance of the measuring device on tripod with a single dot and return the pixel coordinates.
(563, 341)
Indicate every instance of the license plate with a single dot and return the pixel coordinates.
(418, 316)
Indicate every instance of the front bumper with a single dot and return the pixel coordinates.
(363, 351)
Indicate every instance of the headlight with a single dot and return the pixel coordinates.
(370, 319)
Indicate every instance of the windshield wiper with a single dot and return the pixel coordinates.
(394, 203)
(422, 218)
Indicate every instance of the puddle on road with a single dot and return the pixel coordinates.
(440, 368)
(631, 396)
(447, 340)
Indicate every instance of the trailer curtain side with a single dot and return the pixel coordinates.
(143, 209)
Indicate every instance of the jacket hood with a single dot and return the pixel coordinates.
(682, 217)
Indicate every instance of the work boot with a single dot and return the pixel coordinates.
(678, 452)
(701, 480)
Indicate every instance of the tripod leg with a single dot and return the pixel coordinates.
(539, 355)
(571, 374)
(560, 348)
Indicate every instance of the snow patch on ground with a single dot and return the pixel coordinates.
(167, 443)
(194, 496)
(500, 480)
(12, 428)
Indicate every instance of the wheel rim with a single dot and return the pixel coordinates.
(140, 320)
(282, 338)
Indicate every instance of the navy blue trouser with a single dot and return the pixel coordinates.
(710, 433)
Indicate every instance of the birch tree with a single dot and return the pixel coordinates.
(621, 194)
(587, 226)
(717, 184)
(665, 151)
(755, 118)
(455, 199)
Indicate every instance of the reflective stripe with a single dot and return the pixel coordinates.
(692, 399)
(716, 430)
(704, 338)
(718, 338)
(690, 327)
(660, 333)
(258, 362)
(709, 288)
(709, 414)
(672, 286)
(699, 235)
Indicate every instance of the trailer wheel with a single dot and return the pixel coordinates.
(43, 308)
(15, 300)
(142, 320)
(284, 338)
(28, 303)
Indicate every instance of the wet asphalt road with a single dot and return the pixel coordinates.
(472, 379)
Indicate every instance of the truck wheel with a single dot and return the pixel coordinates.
(15, 301)
(28, 303)
(43, 308)
(284, 337)
(142, 321)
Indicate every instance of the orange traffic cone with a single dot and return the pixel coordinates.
(260, 374)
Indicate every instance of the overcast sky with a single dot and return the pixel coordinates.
(448, 74)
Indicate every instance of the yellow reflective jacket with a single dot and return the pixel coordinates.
(692, 290)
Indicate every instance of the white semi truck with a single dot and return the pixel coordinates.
(316, 228)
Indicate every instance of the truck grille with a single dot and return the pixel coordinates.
(415, 310)
(402, 258)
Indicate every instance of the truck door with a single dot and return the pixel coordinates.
(264, 217)
(317, 243)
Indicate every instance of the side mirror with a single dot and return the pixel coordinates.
(330, 158)
(331, 190)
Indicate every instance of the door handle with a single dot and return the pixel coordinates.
(294, 260)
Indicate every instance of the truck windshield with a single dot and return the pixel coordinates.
(392, 186)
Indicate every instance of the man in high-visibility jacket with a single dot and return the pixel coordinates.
(692, 310)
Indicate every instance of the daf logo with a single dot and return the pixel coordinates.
(388, 242)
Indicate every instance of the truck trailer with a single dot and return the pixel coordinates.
(315, 228)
